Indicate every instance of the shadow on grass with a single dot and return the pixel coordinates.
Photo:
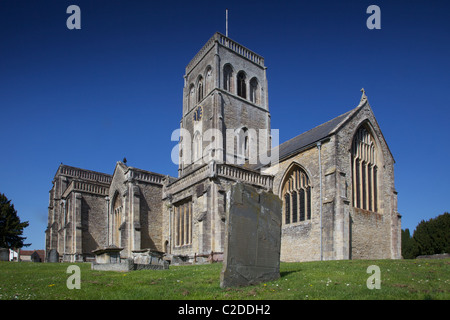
(288, 272)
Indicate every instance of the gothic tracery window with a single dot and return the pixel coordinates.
(364, 171)
(296, 196)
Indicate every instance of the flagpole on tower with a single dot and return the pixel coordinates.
(226, 23)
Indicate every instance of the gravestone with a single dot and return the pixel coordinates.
(4, 254)
(252, 237)
(53, 256)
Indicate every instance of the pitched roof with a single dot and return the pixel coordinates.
(311, 137)
(40, 253)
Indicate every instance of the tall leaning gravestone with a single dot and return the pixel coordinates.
(4, 254)
(252, 237)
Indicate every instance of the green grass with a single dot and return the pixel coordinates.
(400, 279)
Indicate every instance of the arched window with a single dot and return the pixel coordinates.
(116, 219)
(296, 195)
(197, 147)
(191, 96)
(241, 86)
(242, 145)
(227, 77)
(200, 89)
(364, 171)
(254, 91)
(209, 82)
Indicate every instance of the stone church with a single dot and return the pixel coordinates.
(336, 181)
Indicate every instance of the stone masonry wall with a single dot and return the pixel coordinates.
(93, 222)
(347, 232)
(300, 241)
(373, 234)
(151, 216)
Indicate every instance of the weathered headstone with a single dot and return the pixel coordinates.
(53, 256)
(4, 254)
(252, 238)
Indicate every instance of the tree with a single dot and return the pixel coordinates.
(433, 236)
(11, 228)
(410, 249)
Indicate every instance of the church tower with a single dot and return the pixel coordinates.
(225, 106)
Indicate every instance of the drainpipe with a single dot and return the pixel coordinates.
(319, 146)
(170, 229)
(107, 221)
(63, 201)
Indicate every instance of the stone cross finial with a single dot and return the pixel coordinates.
(363, 97)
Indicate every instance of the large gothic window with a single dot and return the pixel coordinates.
(364, 171)
(296, 196)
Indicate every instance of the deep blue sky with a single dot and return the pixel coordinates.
(113, 89)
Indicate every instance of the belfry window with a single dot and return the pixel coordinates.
(364, 171)
(296, 195)
(209, 82)
(254, 91)
(227, 77)
(241, 86)
(191, 98)
(200, 89)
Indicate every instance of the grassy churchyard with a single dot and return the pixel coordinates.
(400, 279)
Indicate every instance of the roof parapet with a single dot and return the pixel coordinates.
(227, 43)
